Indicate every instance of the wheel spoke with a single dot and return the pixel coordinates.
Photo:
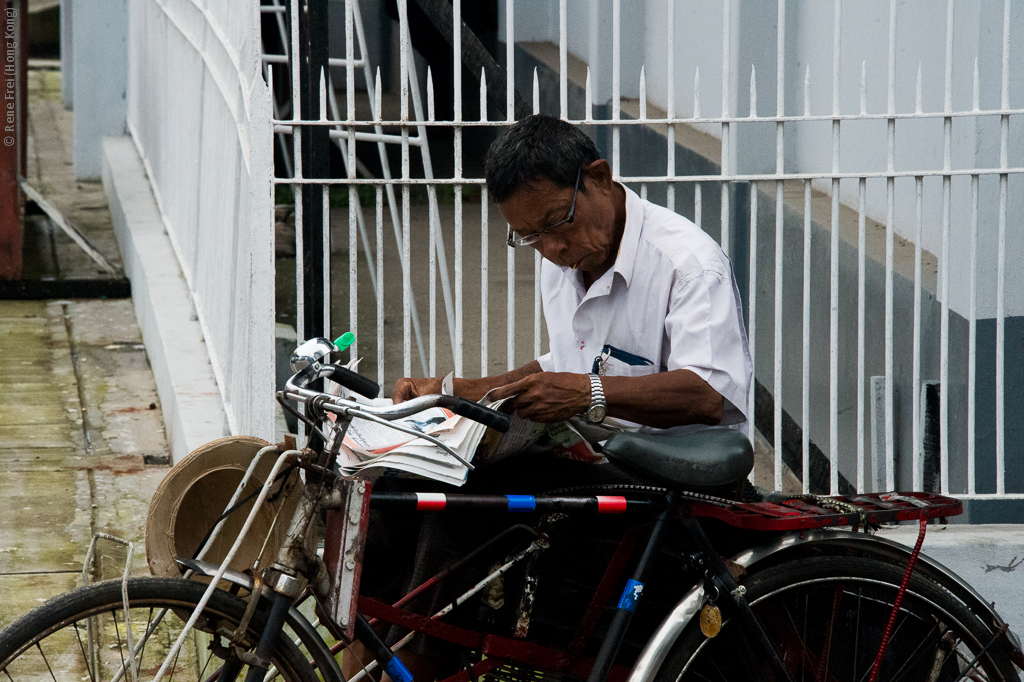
(85, 655)
(826, 647)
(919, 651)
(52, 677)
(120, 647)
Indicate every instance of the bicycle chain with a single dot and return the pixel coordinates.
(632, 487)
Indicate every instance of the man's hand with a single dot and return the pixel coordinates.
(407, 388)
(548, 397)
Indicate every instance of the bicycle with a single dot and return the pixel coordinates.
(769, 588)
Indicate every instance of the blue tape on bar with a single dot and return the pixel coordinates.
(631, 595)
(397, 672)
(521, 503)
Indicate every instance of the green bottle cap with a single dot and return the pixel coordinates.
(344, 341)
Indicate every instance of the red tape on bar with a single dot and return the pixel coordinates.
(430, 501)
(611, 504)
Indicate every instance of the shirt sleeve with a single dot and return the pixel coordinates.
(546, 362)
(705, 334)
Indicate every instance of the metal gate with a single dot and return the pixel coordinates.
(869, 208)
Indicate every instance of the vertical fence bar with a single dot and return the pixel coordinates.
(643, 117)
(536, 254)
(510, 307)
(805, 412)
(972, 342)
(726, 112)
(563, 60)
(1004, 139)
(380, 283)
(752, 312)
(457, 72)
(947, 143)
(484, 288)
(918, 452)
(510, 61)
(670, 107)
(696, 114)
(403, 71)
(833, 431)
(483, 241)
(616, 83)
(972, 333)
(890, 459)
(432, 291)
(353, 197)
(780, 109)
(300, 314)
(861, 285)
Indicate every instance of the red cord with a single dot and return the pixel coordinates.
(899, 600)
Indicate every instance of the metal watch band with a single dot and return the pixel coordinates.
(598, 406)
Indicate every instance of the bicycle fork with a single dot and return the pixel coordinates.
(722, 580)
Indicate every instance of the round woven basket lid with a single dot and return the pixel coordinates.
(195, 493)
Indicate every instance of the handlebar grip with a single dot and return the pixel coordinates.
(476, 412)
(354, 382)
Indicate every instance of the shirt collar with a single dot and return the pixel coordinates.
(626, 256)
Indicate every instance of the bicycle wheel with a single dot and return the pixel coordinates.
(81, 635)
(826, 617)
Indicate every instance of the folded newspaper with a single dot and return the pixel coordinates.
(370, 449)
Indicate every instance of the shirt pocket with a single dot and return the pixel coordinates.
(615, 362)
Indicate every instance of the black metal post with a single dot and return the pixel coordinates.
(313, 44)
(630, 596)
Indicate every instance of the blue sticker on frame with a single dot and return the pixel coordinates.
(631, 595)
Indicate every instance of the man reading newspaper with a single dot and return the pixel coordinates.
(643, 317)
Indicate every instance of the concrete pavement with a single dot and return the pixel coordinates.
(82, 443)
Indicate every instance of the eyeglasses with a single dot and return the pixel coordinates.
(514, 241)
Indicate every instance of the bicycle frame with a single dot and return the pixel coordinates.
(334, 584)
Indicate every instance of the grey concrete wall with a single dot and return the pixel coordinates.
(100, 80)
(67, 62)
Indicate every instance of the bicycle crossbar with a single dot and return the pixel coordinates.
(600, 504)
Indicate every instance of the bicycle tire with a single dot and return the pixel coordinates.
(80, 635)
(826, 615)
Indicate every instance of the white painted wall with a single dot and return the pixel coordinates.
(920, 39)
(99, 80)
(199, 113)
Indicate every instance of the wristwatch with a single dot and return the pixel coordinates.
(598, 409)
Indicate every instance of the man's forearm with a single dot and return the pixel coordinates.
(663, 400)
(475, 389)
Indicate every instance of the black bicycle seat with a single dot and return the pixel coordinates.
(711, 458)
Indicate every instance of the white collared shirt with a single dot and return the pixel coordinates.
(670, 302)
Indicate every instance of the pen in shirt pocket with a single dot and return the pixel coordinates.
(626, 357)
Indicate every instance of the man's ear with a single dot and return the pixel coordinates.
(599, 175)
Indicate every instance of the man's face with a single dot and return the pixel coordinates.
(588, 242)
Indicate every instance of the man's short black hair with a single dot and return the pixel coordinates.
(535, 148)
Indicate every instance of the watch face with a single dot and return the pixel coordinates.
(596, 414)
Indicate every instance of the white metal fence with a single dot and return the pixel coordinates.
(884, 211)
(199, 114)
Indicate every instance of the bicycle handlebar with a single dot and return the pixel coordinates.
(295, 388)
